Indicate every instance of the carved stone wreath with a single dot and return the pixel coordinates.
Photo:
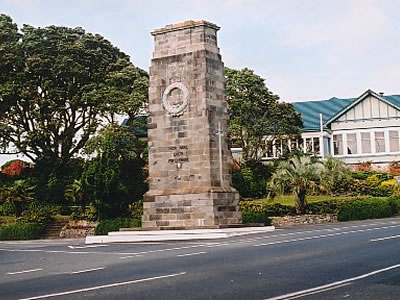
(175, 108)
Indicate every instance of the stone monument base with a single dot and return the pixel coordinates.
(201, 208)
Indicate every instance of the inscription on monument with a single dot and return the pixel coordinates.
(179, 154)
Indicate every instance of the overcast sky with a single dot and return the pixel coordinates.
(305, 49)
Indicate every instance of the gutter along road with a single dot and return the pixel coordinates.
(355, 260)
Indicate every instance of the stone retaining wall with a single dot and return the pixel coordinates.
(288, 221)
(78, 229)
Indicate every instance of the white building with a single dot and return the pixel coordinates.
(355, 130)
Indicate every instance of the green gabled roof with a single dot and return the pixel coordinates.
(310, 111)
(393, 99)
(333, 108)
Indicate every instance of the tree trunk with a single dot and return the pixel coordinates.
(18, 209)
(300, 202)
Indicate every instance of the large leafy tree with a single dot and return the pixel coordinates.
(255, 112)
(115, 176)
(58, 85)
(299, 175)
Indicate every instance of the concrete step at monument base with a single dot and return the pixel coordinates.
(174, 235)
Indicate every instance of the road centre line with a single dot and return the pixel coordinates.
(90, 246)
(385, 238)
(323, 236)
(111, 285)
(88, 270)
(333, 284)
(191, 254)
(22, 272)
(130, 256)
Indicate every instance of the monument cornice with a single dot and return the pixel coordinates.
(184, 25)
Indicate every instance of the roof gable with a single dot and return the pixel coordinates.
(393, 101)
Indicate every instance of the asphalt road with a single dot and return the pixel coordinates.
(358, 260)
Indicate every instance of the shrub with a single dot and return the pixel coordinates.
(137, 209)
(275, 209)
(88, 214)
(364, 166)
(21, 231)
(372, 208)
(106, 226)
(38, 214)
(395, 205)
(15, 168)
(7, 209)
(251, 182)
(250, 217)
(325, 207)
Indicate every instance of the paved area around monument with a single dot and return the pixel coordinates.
(357, 260)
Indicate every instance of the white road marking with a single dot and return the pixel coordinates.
(111, 285)
(21, 272)
(320, 291)
(314, 237)
(386, 238)
(88, 270)
(191, 254)
(83, 247)
(129, 256)
(333, 284)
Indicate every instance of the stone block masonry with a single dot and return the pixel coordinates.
(189, 163)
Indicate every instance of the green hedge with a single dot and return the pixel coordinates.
(371, 208)
(275, 209)
(21, 231)
(357, 208)
(106, 226)
(249, 217)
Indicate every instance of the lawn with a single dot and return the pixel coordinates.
(289, 199)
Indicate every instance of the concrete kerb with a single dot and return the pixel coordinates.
(174, 235)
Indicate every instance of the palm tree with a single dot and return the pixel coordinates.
(299, 174)
(333, 173)
(74, 192)
(18, 193)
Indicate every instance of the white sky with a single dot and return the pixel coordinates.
(305, 49)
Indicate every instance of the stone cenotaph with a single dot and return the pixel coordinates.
(189, 158)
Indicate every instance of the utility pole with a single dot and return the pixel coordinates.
(322, 144)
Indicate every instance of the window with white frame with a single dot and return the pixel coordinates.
(352, 143)
(337, 144)
(365, 142)
(394, 140)
(316, 144)
(379, 141)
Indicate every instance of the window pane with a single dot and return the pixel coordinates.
(278, 148)
(293, 145)
(394, 140)
(337, 144)
(300, 143)
(351, 143)
(316, 144)
(308, 145)
(380, 141)
(366, 142)
(269, 149)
